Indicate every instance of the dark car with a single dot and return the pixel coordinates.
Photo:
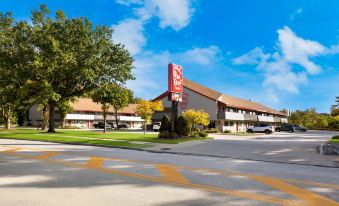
(300, 128)
(100, 125)
(290, 128)
(285, 127)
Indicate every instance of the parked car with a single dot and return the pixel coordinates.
(266, 128)
(156, 126)
(300, 128)
(290, 128)
(100, 125)
(123, 125)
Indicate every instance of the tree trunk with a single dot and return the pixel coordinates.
(105, 120)
(116, 118)
(44, 118)
(51, 126)
(145, 127)
(8, 118)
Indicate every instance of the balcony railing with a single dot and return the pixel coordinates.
(248, 117)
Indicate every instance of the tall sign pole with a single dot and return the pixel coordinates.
(175, 89)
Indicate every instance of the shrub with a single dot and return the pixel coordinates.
(168, 135)
(335, 137)
(165, 124)
(194, 135)
(211, 130)
(182, 126)
(163, 134)
(203, 134)
(197, 129)
(70, 127)
(227, 131)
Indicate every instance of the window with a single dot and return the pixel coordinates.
(231, 124)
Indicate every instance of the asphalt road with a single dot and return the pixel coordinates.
(292, 148)
(38, 173)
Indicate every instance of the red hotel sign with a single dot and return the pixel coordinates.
(175, 80)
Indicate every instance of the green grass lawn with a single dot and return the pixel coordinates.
(125, 139)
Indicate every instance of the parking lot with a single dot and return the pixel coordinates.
(283, 147)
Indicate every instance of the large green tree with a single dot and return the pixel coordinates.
(15, 55)
(72, 58)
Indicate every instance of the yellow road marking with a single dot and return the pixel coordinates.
(46, 155)
(258, 197)
(11, 150)
(227, 173)
(95, 162)
(312, 199)
(171, 173)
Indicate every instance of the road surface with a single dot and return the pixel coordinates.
(40, 173)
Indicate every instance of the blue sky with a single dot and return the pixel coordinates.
(284, 54)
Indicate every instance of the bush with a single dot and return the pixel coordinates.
(165, 124)
(227, 131)
(212, 130)
(335, 137)
(197, 129)
(168, 135)
(70, 127)
(194, 135)
(203, 134)
(182, 126)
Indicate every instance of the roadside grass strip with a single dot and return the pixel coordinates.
(182, 176)
(134, 139)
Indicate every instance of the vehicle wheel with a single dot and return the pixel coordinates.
(303, 130)
(290, 131)
(155, 130)
(267, 132)
(249, 131)
(277, 130)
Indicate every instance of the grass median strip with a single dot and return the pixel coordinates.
(113, 139)
(70, 140)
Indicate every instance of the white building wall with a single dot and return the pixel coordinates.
(197, 101)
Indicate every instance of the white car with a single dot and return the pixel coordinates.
(266, 128)
(156, 126)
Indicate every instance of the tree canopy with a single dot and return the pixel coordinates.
(56, 59)
(145, 109)
(196, 117)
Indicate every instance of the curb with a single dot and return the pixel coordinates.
(188, 154)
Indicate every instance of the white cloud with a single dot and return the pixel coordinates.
(202, 56)
(129, 2)
(295, 13)
(171, 13)
(130, 32)
(255, 56)
(298, 50)
(151, 68)
(278, 68)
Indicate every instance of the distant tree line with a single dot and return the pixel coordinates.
(313, 120)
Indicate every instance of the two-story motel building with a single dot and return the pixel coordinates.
(86, 113)
(225, 112)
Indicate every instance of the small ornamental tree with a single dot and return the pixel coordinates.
(165, 124)
(196, 117)
(104, 95)
(182, 126)
(145, 110)
(121, 98)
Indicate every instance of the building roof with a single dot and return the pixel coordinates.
(226, 99)
(86, 104)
